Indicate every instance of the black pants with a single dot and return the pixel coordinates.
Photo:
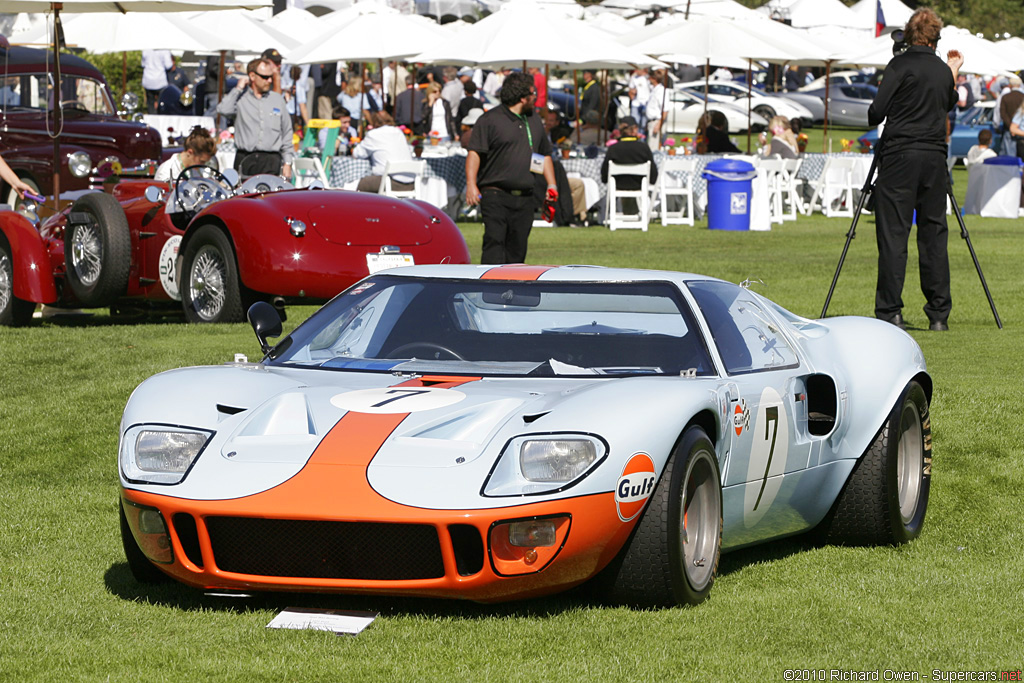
(249, 164)
(909, 181)
(507, 222)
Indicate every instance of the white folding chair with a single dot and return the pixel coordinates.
(834, 189)
(619, 219)
(414, 168)
(774, 169)
(677, 169)
(789, 195)
(305, 171)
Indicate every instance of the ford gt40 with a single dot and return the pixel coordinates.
(501, 432)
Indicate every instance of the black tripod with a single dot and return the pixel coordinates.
(869, 186)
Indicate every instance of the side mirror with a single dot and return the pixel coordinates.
(265, 323)
(154, 194)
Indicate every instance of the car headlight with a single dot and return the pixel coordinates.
(79, 164)
(156, 454)
(544, 463)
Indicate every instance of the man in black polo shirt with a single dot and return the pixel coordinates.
(508, 146)
(918, 89)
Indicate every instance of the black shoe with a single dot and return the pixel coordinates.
(939, 326)
(896, 319)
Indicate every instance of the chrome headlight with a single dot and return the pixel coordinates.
(157, 454)
(79, 164)
(544, 463)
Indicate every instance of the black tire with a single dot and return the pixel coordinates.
(765, 111)
(211, 291)
(142, 569)
(11, 196)
(14, 312)
(97, 250)
(660, 566)
(886, 497)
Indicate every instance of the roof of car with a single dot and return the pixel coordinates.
(22, 57)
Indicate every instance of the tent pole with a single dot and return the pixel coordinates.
(750, 97)
(576, 96)
(58, 112)
(824, 137)
(124, 72)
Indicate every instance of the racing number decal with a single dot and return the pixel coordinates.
(396, 399)
(768, 452)
(168, 254)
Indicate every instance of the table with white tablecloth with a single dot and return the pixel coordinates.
(443, 177)
(993, 190)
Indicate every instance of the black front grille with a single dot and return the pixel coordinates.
(325, 550)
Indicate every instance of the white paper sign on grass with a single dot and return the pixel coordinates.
(336, 621)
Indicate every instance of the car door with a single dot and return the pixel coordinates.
(765, 432)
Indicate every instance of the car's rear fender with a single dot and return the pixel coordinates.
(33, 277)
(874, 361)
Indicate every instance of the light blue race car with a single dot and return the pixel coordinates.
(500, 432)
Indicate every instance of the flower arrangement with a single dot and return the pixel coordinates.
(801, 142)
(847, 144)
(670, 142)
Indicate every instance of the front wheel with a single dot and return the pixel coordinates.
(886, 497)
(211, 289)
(672, 557)
(97, 250)
(13, 198)
(764, 111)
(14, 312)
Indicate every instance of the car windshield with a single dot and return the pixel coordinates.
(482, 327)
(34, 91)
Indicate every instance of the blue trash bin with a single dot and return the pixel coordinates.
(729, 189)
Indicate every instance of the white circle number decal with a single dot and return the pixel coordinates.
(768, 453)
(396, 399)
(168, 255)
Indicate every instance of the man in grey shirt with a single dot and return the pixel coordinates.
(263, 128)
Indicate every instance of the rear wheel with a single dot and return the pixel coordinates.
(13, 311)
(211, 289)
(886, 497)
(672, 556)
(97, 250)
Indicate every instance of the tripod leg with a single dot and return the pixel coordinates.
(864, 192)
(967, 238)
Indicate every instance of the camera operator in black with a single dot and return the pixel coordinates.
(916, 92)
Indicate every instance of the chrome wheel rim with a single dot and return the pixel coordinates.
(6, 282)
(207, 282)
(910, 461)
(86, 254)
(702, 513)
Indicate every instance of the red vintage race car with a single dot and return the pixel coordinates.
(215, 247)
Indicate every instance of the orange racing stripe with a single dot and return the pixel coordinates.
(517, 271)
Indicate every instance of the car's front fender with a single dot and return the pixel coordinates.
(33, 277)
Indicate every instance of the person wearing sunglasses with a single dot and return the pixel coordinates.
(263, 128)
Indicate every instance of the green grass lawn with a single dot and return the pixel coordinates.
(70, 610)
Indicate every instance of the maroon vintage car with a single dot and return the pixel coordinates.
(91, 134)
(214, 247)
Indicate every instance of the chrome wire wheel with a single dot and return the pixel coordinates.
(702, 514)
(86, 254)
(6, 281)
(207, 281)
(909, 461)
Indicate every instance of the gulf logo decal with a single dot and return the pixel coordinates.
(635, 485)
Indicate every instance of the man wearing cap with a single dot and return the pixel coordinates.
(507, 148)
(263, 128)
(629, 150)
(275, 60)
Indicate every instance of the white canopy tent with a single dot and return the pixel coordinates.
(101, 33)
(298, 24)
(371, 37)
(812, 13)
(980, 56)
(894, 11)
(510, 38)
(247, 29)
